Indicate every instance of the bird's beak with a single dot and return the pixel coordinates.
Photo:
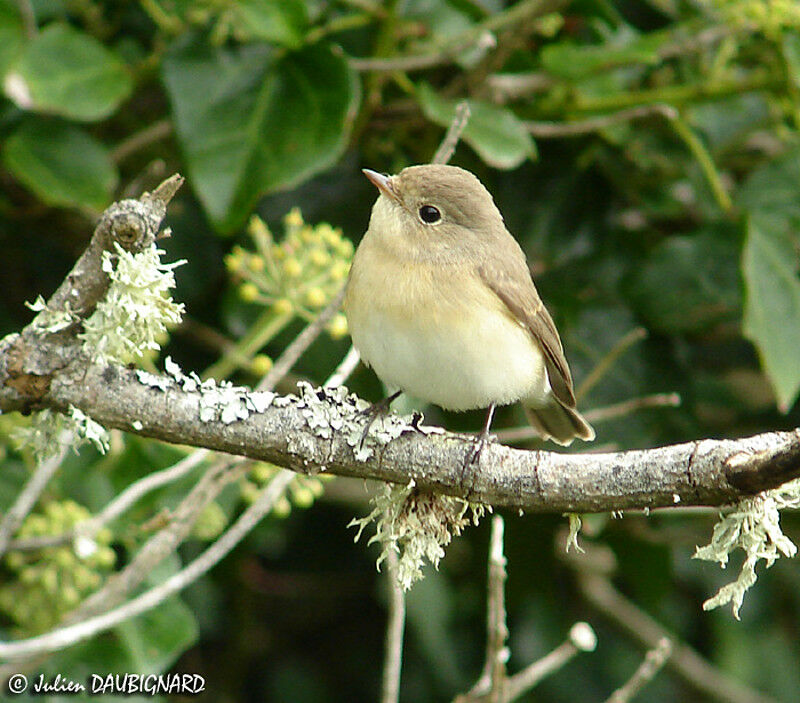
(382, 183)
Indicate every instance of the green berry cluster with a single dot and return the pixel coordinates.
(298, 275)
(50, 582)
(302, 491)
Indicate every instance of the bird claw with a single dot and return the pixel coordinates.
(478, 443)
(372, 413)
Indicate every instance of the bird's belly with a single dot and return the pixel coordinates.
(464, 357)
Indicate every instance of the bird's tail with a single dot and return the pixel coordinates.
(558, 422)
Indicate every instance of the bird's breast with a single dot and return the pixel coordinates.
(437, 332)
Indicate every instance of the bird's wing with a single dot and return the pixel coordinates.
(514, 286)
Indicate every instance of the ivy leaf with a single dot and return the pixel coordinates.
(772, 308)
(279, 21)
(574, 61)
(66, 72)
(769, 263)
(250, 123)
(11, 35)
(61, 163)
(496, 133)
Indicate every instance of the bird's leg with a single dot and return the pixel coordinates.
(481, 440)
(374, 411)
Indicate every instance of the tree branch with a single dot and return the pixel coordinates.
(653, 662)
(319, 431)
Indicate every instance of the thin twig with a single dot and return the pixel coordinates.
(705, 161)
(496, 650)
(28, 496)
(285, 362)
(627, 407)
(397, 605)
(132, 494)
(685, 661)
(345, 368)
(66, 636)
(557, 130)
(653, 662)
(445, 151)
(395, 627)
(492, 680)
(152, 482)
(607, 362)
(595, 415)
(149, 135)
(581, 639)
(161, 544)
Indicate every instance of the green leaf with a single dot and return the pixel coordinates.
(250, 123)
(688, 283)
(772, 307)
(157, 638)
(496, 134)
(61, 163)
(66, 72)
(573, 61)
(791, 55)
(279, 21)
(11, 35)
(772, 194)
(769, 262)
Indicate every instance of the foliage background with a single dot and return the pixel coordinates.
(645, 153)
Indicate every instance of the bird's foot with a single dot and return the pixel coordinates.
(373, 412)
(479, 441)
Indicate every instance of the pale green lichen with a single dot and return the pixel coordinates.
(136, 312)
(417, 526)
(220, 401)
(88, 430)
(330, 411)
(137, 309)
(49, 430)
(575, 524)
(51, 320)
(754, 527)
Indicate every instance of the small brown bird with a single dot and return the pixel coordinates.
(441, 304)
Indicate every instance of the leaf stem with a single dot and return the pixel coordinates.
(705, 161)
(675, 94)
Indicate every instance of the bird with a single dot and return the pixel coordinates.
(441, 304)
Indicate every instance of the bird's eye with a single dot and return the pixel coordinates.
(429, 215)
